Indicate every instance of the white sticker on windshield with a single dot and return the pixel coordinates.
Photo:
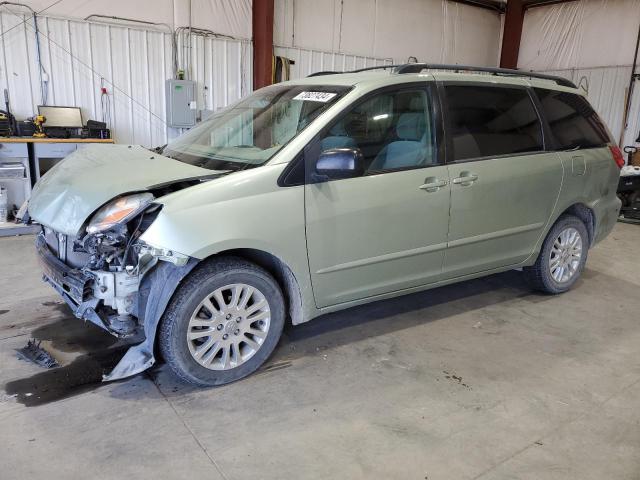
(315, 96)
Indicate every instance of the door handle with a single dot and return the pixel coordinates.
(465, 179)
(433, 184)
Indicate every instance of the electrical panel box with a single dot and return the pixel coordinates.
(181, 103)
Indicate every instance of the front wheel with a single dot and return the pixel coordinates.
(562, 257)
(223, 322)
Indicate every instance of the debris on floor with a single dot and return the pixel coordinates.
(453, 376)
(38, 355)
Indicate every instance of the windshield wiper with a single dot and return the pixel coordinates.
(157, 149)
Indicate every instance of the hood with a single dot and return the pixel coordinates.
(77, 186)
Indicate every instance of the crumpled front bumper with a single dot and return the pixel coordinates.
(156, 290)
(72, 284)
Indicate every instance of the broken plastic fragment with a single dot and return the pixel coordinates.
(38, 355)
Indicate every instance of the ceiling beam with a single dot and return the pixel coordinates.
(494, 5)
(543, 3)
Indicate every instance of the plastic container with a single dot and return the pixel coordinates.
(11, 170)
(4, 205)
(629, 170)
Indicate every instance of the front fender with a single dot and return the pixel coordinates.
(156, 290)
(244, 210)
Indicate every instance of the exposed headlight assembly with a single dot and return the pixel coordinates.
(118, 211)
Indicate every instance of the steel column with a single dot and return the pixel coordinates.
(262, 43)
(513, 20)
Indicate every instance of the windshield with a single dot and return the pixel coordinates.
(252, 131)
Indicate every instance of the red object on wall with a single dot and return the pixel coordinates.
(512, 33)
(262, 43)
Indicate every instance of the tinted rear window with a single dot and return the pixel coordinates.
(491, 121)
(574, 123)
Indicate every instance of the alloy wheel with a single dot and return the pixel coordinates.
(228, 326)
(565, 256)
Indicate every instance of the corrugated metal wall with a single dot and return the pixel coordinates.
(309, 61)
(606, 91)
(132, 63)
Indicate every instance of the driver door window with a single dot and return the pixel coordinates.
(392, 130)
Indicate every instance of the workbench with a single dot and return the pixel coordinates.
(37, 155)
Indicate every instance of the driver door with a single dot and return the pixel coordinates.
(386, 230)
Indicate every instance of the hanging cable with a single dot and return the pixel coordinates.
(98, 74)
(44, 77)
(185, 45)
(26, 19)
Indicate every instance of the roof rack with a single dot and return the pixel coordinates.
(418, 67)
(507, 72)
(326, 72)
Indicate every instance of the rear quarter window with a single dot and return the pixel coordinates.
(573, 122)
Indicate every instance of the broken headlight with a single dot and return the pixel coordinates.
(118, 211)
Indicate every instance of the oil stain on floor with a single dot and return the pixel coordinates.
(85, 351)
(83, 374)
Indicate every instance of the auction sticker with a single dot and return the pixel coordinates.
(315, 96)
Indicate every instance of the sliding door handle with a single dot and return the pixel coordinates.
(465, 179)
(433, 184)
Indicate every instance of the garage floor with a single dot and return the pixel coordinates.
(483, 379)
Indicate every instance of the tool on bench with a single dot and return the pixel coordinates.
(39, 120)
(7, 120)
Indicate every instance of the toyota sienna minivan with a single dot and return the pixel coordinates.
(315, 195)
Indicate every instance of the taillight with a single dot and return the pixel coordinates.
(617, 155)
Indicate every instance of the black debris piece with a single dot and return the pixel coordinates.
(38, 355)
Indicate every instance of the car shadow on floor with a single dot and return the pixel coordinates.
(99, 351)
(386, 316)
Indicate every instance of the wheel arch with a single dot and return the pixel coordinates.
(585, 214)
(280, 271)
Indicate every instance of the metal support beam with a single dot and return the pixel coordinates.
(512, 32)
(493, 5)
(262, 43)
(543, 3)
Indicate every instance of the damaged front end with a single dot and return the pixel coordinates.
(110, 277)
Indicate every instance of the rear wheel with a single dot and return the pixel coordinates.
(223, 322)
(562, 258)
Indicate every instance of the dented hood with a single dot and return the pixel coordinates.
(65, 197)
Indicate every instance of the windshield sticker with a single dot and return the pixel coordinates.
(323, 97)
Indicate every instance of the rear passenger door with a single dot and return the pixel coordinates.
(503, 184)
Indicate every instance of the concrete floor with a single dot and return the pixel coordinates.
(484, 379)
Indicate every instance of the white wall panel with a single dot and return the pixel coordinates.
(310, 61)
(594, 39)
(431, 30)
(582, 34)
(132, 63)
(229, 17)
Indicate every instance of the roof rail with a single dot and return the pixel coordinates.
(320, 74)
(418, 67)
(379, 67)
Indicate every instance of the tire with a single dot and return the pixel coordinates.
(541, 276)
(203, 308)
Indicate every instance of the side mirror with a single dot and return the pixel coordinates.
(339, 163)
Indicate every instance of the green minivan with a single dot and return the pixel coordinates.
(315, 195)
